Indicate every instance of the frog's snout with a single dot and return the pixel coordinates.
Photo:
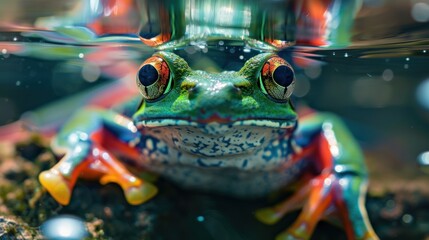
(220, 94)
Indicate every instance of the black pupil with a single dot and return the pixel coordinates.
(148, 75)
(283, 76)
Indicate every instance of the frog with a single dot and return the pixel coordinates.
(234, 133)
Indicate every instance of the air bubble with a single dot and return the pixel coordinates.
(313, 72)
(64, 227)
(387, 75)
(91, 72)
(190, 50)
(423, 159)
(200, 218)
(302, 86)
(407, 218)
(423, 99)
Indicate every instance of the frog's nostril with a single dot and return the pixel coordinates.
(193, 92)
(236, 91)
(243, 89)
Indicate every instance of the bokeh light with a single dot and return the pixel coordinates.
(91, 72)
(387, 75)
(420, 12)
(302, 86)
(423, 94)
(423, 159)
(64, 227)
(371, 92)
(8, 110)
(313, 71)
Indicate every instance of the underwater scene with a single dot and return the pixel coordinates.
(214, 119)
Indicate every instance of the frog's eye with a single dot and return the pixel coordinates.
(277, 79)
(154, 78)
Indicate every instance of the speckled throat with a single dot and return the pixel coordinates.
(234, 158)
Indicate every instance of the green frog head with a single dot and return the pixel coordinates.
(184, 104)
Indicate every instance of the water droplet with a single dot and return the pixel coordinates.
(15, 39)
(407, 59)
(18, 83)
(406, 66)
(241, 57)
(333, 54)
(424, 51)
(81, 55)
(4, 51)
(346, 55)
(221, 43)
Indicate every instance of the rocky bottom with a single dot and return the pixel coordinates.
(397, 211)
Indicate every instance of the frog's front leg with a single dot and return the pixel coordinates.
(88, 142)
(337, 189)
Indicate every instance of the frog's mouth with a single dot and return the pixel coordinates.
(216, 120)
(218, 137)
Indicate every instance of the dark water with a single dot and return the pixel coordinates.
(378, 82)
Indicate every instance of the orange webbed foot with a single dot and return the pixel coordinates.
(318, 197)
(94, 162)
(58, 186)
